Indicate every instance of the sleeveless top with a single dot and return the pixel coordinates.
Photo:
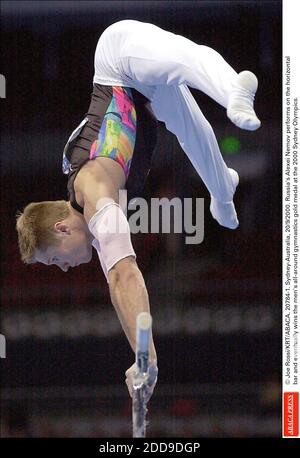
(77, 150)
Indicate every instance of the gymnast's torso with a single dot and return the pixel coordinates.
(119, 125)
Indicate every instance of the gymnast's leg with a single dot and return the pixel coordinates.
(176, 107)
(153, 56)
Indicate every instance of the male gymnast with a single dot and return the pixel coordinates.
(142, 74)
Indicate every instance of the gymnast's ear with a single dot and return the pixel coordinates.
(62, 228)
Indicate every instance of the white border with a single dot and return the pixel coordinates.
(291, 40)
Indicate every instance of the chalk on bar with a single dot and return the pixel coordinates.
(143, 334)
(144, 321)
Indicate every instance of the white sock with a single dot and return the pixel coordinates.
(240, 106)
(224, 212)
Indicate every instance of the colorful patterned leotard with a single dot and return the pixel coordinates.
(117, 134)
(110, 130)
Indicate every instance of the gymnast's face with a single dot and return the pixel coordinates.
(74, 248)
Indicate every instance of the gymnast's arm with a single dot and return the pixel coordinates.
(126, 284)
(129, 297)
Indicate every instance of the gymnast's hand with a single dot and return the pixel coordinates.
(153, 371)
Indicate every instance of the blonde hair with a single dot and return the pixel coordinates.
(35, 227)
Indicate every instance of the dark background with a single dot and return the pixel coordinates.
(216, 306)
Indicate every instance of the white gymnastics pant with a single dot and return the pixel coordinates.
(162, 65)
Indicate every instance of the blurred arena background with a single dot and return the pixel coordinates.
(216, 306)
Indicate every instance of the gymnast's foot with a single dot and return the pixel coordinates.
(240, 106)
(224, 212)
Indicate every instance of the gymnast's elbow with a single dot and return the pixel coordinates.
(125, 274)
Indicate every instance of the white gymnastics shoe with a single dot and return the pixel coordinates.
(240, 106)
(224, 212)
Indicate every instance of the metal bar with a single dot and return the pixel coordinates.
(139, 403)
